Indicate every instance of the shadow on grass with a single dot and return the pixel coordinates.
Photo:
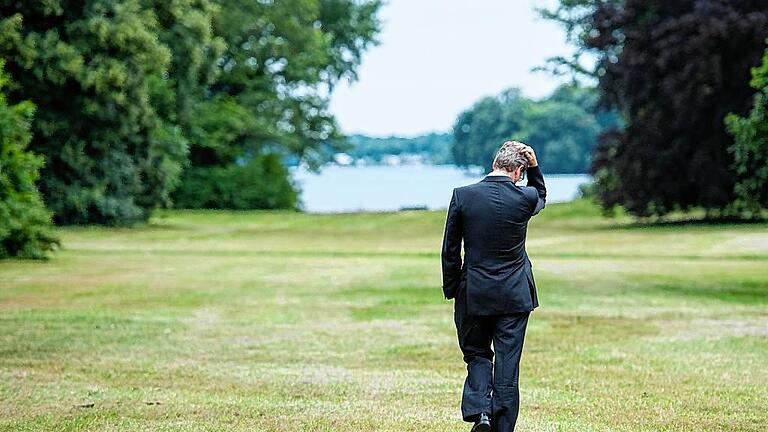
(689, 223)
(742, 292)
(388, 302)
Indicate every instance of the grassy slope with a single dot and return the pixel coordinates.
(247, 321)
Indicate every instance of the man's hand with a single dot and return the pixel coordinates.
(529, 154)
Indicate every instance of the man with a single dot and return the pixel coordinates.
(494, 288)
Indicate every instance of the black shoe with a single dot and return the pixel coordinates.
(483, 424)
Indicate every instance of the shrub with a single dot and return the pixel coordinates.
(262, 183)
(25, 223)
(750, 148)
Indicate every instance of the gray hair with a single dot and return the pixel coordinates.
(509, 157)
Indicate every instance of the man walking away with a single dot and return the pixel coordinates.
(494, 289)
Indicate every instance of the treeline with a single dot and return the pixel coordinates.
(433, 148)
(563, 127)
(142, 103)
(688, 81)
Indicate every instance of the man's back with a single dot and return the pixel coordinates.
(491, 217)
(494, 287)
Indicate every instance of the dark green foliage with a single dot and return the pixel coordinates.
(750, 148)
(125, 88)
(479, 131)
(673, 70)
(87, 66)
(433, 148)
(261, 184)
(25, 223)
(186, 28)
(563, 128)
(270, 98)
(281, 59)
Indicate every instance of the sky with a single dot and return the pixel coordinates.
(437, 57)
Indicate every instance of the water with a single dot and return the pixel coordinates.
(390, 188)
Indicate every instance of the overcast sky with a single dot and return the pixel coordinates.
(437, 57)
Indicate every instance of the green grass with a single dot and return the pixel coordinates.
(267, 321)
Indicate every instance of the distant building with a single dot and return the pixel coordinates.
(412, 159)
(343, 159)
(391, 160)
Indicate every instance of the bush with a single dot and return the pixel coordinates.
(750, 148)
(262, 183)
(25, 223)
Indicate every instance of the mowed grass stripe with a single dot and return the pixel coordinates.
(384, 254)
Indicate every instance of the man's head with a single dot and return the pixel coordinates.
(511, 159)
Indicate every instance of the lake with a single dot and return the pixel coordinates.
(390, 188)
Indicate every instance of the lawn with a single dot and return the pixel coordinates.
(271, 321)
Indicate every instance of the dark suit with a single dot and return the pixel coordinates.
(494, 288)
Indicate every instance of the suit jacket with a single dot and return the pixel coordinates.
(491, 218)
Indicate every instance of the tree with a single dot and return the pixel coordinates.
(673, 70)
(25, 223)
(479, 131)
(88, 66)
(281, 62)
(750, 147)
(563, 128)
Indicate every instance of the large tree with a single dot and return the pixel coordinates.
(270, 99)
(480, 130)
(673, 70)
(87, 66)
(25, 223)
(563, 128)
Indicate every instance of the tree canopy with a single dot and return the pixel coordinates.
(87, 66)
(563, 128)
(673, 70)
(138, 98)
(270, 98)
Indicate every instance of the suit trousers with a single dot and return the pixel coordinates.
(491, 384)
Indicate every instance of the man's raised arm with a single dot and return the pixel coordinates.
(451, 253)
(535, 181)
